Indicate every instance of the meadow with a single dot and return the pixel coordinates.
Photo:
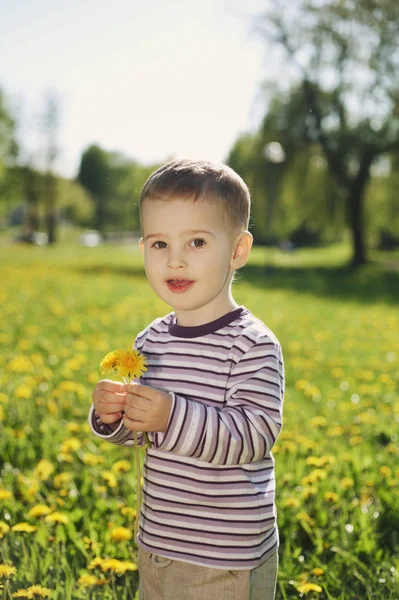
(67, 499)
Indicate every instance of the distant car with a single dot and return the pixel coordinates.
(38, 238)
(90, 239)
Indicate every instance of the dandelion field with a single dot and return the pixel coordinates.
(67, 499)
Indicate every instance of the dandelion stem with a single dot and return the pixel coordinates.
(138, 487)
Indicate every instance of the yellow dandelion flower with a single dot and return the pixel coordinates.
(44, 469)
(4, 528)
(121, 466)
(304, 588)
(7, 570)
(315, 461)
(39, 510)
(317, 571)
(128, 511)
(121, 534)
(124, 363)
(385, 471)
(87, 580)
(61, 479)
(291, 503)
(38, 590)
(96, 562)
(346, 483)
(73, 427)
(308, 491)
(109, 478)
(57, 517)
(331, 497)
(5, 494)
(117, 566)
(93, 459)
(20, 594)
(24, 527)
(70, 445)
(23, 392)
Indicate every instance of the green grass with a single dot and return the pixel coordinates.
(337, 469)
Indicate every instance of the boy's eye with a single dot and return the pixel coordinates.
(198, 242)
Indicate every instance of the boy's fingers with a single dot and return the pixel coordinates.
(109, 407)
(109, 418)
(110, 386)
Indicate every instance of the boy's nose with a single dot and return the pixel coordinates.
(176, 259)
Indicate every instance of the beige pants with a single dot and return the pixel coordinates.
(165, 579)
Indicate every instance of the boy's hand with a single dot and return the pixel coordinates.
(146, 408)
(109, 400)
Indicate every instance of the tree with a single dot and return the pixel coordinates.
(50, 191)
(8, 150)
(343, 56)
(94, 175)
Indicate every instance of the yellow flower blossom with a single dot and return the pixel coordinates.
(317, 571)
(128, 511)
(385, 471)
(331, 497)
(121, 466)
(124, 363)
(109, 478)
(37, 591)
(39, 510)
(304, 588)
(5, 494)
(61, 479)
(117, 566)
(7, 570)
(96, 562)
(89, 580)
(4, 528)
(57, 517)
(44, 469)
(93, 459)
(70, 445)
(291, 503)
(121, 534)
(346, 483)
(24, 527)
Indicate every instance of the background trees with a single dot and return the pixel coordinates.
(343, 56)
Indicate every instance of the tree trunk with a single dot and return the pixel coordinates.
(51, 212)
(356, 223)
(356, 209)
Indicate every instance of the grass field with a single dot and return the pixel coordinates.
(67, 499)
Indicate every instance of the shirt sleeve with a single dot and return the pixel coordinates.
(116, 433)
(247, 426)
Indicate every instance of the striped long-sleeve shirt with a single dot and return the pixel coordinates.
(209, 486)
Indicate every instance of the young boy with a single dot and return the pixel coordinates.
(211, 399)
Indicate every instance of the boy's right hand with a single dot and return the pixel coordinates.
(109, 400)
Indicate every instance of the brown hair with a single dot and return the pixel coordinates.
(195, 179)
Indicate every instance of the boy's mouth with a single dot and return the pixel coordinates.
(179, 285)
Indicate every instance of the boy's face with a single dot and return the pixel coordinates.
(191, 270)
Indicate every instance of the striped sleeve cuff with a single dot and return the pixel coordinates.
(115, 433)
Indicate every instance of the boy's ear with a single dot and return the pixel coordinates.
(141, 244)
(242, 249)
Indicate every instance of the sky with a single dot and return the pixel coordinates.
(151, 79)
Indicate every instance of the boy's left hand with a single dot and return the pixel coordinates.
(146, 408)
